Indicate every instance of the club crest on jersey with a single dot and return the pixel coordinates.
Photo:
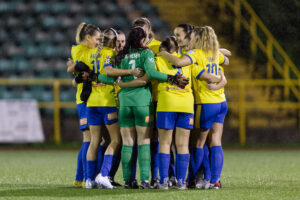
(151, 59)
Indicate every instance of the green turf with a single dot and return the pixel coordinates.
(246, 175)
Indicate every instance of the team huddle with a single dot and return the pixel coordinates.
(156, 99)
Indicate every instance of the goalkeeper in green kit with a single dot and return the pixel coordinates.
(135, 103)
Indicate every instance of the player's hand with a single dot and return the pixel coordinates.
(70, 65)
(212, 86)
(178, 80)
(138, 72)
(161, 53)
(90, 76)
(79, 78)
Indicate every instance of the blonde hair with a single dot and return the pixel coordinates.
(108, 39)
(84, 29)
(208, 40)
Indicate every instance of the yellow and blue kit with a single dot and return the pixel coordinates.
(175, 105)
(213, 103)
(101, 105)
(81, 53)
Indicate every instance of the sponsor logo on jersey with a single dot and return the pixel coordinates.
(191, 51)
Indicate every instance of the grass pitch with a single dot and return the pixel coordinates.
(246, 175)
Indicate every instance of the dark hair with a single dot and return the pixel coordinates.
(142, 21)
(119, 32)
(133, 43)
(187, 28)
(169, 44)
(84, 29)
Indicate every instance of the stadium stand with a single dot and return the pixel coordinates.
(36, 37)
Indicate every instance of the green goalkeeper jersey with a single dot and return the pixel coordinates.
(139, 96)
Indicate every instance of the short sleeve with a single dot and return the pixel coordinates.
(108, 61)
(197, 71)
(191, 55)
(221, 59)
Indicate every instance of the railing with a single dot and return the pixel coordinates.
(242, 103)
(254, 24)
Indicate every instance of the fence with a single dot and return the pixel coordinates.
(242, 103)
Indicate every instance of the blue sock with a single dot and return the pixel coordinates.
(191, 175)
(106, 165)
(205, 163)
(84, 162)
(164, 162)
(154, 147)
(79, 170)
(198, 158)
(99, 158)
(217, 158)
(116, 164)
(182, 162)
(134, 161)
(172, 170)
(91, 169)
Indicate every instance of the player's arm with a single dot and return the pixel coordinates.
(225, 52)
(135, 83)
(74, 82)
(106, 79)
(111, 71)
(180, 62)
(208, 77)
(223, 60)
(70, 66)
(219, 85)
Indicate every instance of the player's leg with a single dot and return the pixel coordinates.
(217, 156)
(81, 158)
(94, 116)
(184, 124)
(165, 124)
(142, 116)
(182, 155)
(154, 147)
(113, 147)
(128, 134)
(165, 138)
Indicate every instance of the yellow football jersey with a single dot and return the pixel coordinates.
(170, 97)
(80, 53)
(154, 45)
(206, 63)
(102, 94)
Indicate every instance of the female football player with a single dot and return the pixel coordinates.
(153, 44)
(87, 38)
(171, 113)
(135, 112)
(213, 103)
(102, 110)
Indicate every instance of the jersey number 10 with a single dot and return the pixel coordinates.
(213, 69)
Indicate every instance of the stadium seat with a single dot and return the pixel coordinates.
(68, 95)
(59, 7)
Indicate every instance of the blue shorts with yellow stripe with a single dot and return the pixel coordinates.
(209, 113)
(97, 116)
(81, 110)
(170, 120)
